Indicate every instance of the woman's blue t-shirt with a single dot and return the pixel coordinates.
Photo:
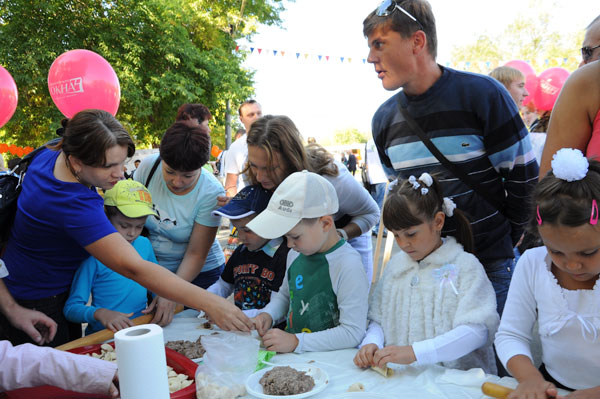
(54, 221)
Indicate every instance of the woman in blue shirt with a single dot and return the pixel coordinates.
(60, 221)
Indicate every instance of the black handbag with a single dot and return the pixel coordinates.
(11, 184)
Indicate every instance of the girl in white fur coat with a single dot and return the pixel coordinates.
(434, 302)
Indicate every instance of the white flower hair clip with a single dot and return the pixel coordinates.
(426, 178)
(413, 180)
(569, 164)
(448, 207)
(424, 191)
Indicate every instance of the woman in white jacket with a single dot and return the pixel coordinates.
(434, 303)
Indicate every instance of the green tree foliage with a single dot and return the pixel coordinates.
(527, 39)
(347, 136)
(165, 53)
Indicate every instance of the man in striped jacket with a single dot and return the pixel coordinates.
(470, 118)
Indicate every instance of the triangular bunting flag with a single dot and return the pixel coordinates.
(327, 57)
(305, 56)
(282, 53)
(259, 50)
(251, 49)
(319, 57)
(342, 59)
(349, 59)
(274, 52)
(364, 60)
(297, 55)
(237, 48)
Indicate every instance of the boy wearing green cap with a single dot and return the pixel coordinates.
(115, 298)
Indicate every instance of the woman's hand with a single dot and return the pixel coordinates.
(163, 311)
(112, 320)
(394, 354)
(223, 200)
(113, 391)
(226, 315)
(279, 341)
(40, 328)
(364, 356)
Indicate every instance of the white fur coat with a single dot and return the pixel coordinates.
(415, 301)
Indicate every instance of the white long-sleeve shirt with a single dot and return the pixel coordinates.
(350, 285)
(446, 347)
(569, 322)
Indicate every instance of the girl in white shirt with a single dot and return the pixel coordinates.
(557, 286)
(434, 302)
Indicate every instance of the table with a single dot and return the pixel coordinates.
(422, 382)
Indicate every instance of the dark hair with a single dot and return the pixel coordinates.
(321, 160)
(406, 207)
(185, 148)
(13, 162)
(278, 134)
(112, 211)
(401, 23)
(251, 101)
(193, 111)
(565, 203)
(89, 134)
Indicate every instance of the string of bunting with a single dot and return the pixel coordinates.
(462, 65)
(15, 149)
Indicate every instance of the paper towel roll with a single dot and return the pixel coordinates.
(142, 362)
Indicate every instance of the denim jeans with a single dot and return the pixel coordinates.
(208, 278)
(500, 272)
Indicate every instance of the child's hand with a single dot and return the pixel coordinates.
(262, 323)
(112, 320)
(364, 356)
(591, 393)
(279, 341)
(222, 200)
(535, 388)
(394, 354)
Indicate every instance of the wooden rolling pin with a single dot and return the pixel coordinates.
(105, 335)
(495, 390)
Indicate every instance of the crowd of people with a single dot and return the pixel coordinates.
(464, 191)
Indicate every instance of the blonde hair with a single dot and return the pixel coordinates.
(506, 75)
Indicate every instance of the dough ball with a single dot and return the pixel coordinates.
(356, 387)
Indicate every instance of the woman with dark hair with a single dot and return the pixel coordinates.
(183, 237)
(275, 150)
(60, 221)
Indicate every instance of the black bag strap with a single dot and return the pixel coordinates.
(456, 171)
(152, 171)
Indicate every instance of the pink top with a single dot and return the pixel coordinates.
(27, 365)
(593, 148)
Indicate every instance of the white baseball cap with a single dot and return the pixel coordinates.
(302, 195)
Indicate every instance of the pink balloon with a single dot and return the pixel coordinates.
(82, 79)
(550, 83)
(522, 66)
(8, 96)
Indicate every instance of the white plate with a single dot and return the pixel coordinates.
(361, 395)
(321, 381)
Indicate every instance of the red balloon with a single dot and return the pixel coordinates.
(550, 83)
(82, 79)
(8, 96)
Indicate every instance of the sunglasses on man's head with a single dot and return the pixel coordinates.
(587, 52)
(389, 6)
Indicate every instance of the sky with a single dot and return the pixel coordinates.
(323, 96)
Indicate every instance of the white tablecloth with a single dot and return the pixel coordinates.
(431, 382)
